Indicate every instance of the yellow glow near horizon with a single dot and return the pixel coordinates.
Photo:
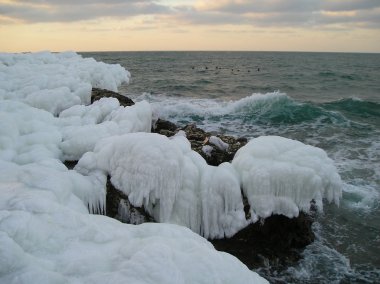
(171, 32)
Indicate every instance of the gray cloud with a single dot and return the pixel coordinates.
(262, 13)
(71, 11)
(287, 13)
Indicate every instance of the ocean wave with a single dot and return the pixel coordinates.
(270, 108)
(355, 107)
(364, 198)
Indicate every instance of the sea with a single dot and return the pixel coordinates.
(328, 100)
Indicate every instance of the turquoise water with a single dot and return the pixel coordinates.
(329, 100)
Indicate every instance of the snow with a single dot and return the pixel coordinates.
(46, 232)
(282, 176)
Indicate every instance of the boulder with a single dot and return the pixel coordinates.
(119, 207)
(97, 94)
(199, 138)
(277, 241)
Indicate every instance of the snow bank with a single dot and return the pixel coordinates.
(282, 176)
(46, 232)
(172, 182)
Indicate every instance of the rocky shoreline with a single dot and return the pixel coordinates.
(277, 240)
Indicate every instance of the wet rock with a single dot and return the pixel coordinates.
(119, 207)
(276, 241)
(70, 164)
(200, 141)
(97, 94)
(217, 155)
(164, 127)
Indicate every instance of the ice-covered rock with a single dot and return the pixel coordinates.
(47, 236)
(218, 143)
(55, 82)
(172, 182)
(46, 232)
(83, 126)
(282, 176)
(175, 185)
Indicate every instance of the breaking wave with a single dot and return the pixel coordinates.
(271, 108)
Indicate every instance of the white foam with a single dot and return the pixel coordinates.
(360, 197)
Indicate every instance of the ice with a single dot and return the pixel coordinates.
(27, 134)
(83, 126)
(172, 182)
(282, 176)
(207, 149)
(43, 241)
(218, 143)
(46, 232)
(55, 82)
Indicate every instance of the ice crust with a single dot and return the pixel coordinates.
(46, 232)
(55, 82)
(282, 176)
(172, 182)
(175, 185)
(218, 143)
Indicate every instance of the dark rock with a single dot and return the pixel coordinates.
(97, 94)
(200, 138)
(164, 127)
(119, 207)
(277, 240)
(70, 164)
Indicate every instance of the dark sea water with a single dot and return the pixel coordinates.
(329, 100)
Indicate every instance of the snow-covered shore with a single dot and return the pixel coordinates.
(46, 232)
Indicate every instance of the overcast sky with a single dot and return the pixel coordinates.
(306, 25)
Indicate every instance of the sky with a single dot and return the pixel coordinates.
(130, 25)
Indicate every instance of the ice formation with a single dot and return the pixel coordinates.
(55, 82)
(282, 176)
(218, 143)
(172, 182)
(46, 232)
(83, 126)
(207, 149)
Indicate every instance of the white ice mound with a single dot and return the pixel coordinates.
(27, 134)
(47, 236)
(282, 176)
(172, 182)
(55, 81)
(83, 126)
